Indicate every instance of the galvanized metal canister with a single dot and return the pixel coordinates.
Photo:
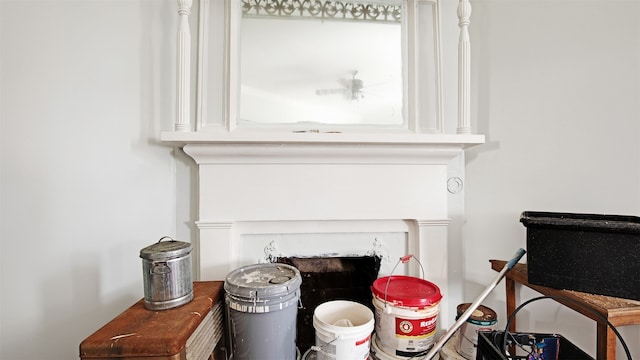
(166, 267)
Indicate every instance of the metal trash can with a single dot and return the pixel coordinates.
(166, 267)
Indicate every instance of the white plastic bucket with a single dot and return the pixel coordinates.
(406, 315)
(262, 306)
(343, 330)
(482, 319)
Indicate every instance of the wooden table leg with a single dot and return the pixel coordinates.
(510, 286)
(606, 343)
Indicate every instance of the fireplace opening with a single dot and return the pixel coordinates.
(327, 279)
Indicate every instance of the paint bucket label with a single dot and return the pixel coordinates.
(482, 319)
(343, 330)
(424, 327)
(406, 315)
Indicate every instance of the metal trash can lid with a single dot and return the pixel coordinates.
(263, 281)
(165, 250)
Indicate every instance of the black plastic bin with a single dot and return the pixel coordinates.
(597, 254)
(490, 344)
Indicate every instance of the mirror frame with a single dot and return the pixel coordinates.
(219, 28)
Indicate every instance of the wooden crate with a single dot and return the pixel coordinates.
(189, 332)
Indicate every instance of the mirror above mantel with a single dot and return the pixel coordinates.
(331, 64)
(320, 71)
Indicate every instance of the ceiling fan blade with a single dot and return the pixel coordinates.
(330, 91)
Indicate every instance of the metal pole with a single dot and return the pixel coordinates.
(434, 350)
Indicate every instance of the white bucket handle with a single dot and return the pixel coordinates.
(403, 259)
(321, 348)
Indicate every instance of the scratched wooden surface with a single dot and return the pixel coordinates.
(138, 332)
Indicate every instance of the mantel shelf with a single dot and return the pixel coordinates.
(180, 139)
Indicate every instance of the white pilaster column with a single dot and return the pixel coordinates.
(215, 250)
(431, 249)
(183, 74)
(464, 68)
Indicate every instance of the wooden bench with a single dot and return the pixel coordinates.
(191, 331)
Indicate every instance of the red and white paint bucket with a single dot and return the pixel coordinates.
(406, 310)
(378, 354)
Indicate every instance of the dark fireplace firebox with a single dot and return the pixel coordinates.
(330, 278)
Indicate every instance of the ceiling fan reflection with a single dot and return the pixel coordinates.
(353, 89)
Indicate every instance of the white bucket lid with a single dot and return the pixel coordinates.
(261, 281)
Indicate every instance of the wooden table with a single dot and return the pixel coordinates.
(189, 331)
(618, 311)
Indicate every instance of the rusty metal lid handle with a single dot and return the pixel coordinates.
(166, 237)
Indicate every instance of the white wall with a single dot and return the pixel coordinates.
(86, 87)
(557, 92)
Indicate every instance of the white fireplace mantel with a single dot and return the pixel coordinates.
(380, 138)
(314, 183)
